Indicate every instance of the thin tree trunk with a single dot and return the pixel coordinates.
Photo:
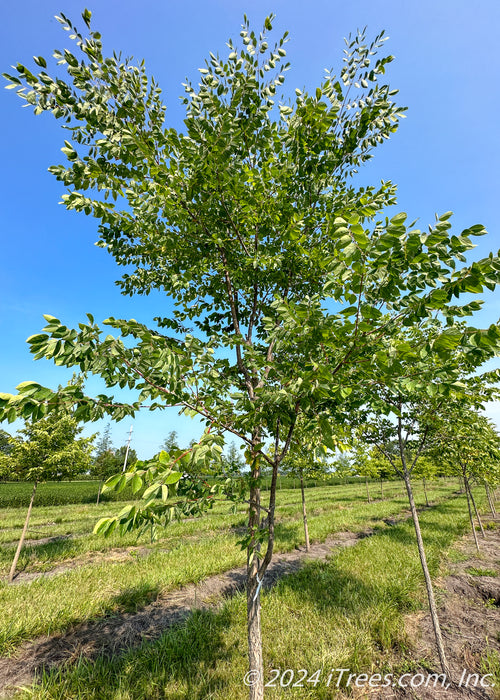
(304, 514)
(255, 661)
(367, 490)
(99, 493)
(428, 582)
(23, 535)
(472, 520)
(490, 501)
(483, 535)
(425, 491)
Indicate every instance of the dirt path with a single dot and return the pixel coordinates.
(116, 634)
(469, 614)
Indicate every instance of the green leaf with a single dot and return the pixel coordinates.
(172, 478)
(114, 482)
(87, 15)
(27, 385)
(164, 457)
(101, 526)
(153, 489)
(399, 218)
(136, 483)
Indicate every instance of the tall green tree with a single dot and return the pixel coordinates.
(104, 443)
(108, 460)
(233, 461)
(380, 466)
(170, 442)
(426, 468)
(46, 449)
(431, 374)
(469, 445)
(362, 465)
(103, 465)
(5, 444)
(248, 219)
(306, 460)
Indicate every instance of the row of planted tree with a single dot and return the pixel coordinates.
(299, 313)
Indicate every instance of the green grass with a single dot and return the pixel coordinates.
(473, 571)
(55, 493)
(187, 552)
(345, 613)
(490, 664)
(330, 509)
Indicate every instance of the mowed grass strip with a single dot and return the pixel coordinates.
(330, 510)
(345, 613)
(194, 550)
(74, 524)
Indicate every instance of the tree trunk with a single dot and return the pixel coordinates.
(428, 582)
(367, 490)
(490, 501)
(255, 662)
(254, 633)
(23, 535)
(99, 493)
(425, 491)
(483, 535)
(304, 514)
(472, 520)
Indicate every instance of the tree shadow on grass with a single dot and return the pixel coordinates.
(184, 658)
(346, 588)
(51, 549)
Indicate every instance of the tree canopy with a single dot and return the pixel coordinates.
(48, 449)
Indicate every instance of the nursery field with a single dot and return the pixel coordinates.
(58, 493)
(99, 615)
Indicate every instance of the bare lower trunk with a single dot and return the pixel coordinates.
(472, 520)
(304, 514)
(428, 582)
(490, 501)
(23, 535)
(475, 509)
(255, 662)
(367, 490)
(425, 491)
(99, 493)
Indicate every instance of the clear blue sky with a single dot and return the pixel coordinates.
(445, 156)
